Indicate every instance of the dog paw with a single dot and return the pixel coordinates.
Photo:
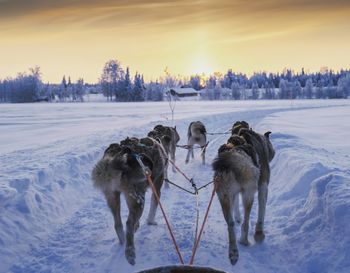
(130, 255)
(244, 241)
(259, 236)
(233, 256)
(151, 223)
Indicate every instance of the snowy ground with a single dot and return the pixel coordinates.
(53, 220)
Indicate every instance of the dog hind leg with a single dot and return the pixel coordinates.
(113, 201)
(188, 155)
(236, 210)
(259, 235)
(226, 205)
(247, 200)
(154, 203)
(135, 212)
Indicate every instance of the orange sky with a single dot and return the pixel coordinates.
(76, 37)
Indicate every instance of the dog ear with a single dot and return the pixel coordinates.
(267, 134)
(175, 127)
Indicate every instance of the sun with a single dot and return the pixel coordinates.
(201, 66)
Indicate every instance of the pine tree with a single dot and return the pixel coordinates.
(111, 78)
(138, 88)
(308, 89)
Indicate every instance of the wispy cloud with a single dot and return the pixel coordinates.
(152, 34)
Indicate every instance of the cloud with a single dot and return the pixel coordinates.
(153, 11)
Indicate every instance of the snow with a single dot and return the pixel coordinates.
(53, 220)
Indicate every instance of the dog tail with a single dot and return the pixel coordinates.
(189, 134)
(103, 171)
(223, 162)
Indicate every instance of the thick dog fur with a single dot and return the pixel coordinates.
(265, 152)
(239, 125)
(234, 173)
(119, 172)
(168, 137)
(197, 134)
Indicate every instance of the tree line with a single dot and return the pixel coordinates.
(117, 84)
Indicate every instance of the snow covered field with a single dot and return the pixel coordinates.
(53, 220)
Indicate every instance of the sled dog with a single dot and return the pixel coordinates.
(119, 172)
(234, 173)
(197, 134)
(168, 137)
(265, 153)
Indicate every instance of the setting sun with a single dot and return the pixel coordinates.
(77, 37)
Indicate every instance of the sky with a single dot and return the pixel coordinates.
(76, 37)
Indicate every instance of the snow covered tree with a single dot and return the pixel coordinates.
(79, 90)
(331, 90)
(255, 91)
(343, 89)
(268, 91)
(236, 93)
(319, 90)
(63, 90)
(308, 89)
(138, 88)
(154, 91)
(126, 88)
(110, 79)
(283, 86)
(195, 82)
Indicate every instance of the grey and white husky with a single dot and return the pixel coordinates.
(235, 172)
(119, 172)
(168, 137)
(197, 134)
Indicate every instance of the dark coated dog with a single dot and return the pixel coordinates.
(120, 172)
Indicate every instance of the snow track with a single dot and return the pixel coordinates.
(53, 220)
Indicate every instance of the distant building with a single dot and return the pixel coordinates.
(182, 92)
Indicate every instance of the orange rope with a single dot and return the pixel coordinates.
(203, 224)
(149, 179)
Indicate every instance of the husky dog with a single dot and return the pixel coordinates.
(265, 153)
(197, 134)
(234, 173)
(119, 172)
(168, 137)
